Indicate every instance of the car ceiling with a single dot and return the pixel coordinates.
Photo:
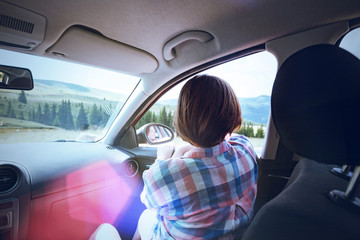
(147, 25)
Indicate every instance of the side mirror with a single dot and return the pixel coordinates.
(155, 133)
(15, 78)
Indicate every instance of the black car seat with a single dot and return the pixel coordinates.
(315, 105)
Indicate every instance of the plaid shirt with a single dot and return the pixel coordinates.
(205, 194)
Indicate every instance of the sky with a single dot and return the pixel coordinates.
(250, 76)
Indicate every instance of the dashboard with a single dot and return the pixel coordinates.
(65, 190)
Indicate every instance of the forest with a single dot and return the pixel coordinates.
(80, 116)
(66, 115)
(166, 117)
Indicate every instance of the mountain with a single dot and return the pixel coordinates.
(169, 102)
(255, 109)
(73, 91)
(63, 85)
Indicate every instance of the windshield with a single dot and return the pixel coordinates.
(69, 101)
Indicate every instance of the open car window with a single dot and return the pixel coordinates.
(252, 79)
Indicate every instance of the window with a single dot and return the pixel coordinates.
(252, 79)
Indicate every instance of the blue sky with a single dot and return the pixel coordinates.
(250, 76)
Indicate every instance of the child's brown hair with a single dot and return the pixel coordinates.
(207, 110)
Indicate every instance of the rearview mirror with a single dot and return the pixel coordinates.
(155, 133)
(15, 78)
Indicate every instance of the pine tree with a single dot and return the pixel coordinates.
(82, 122)
(139, 123)
(147, 117)
(9, 109)
(250, 130)
(104, 116)
(61, 116)
(154, 118)
(46, 115)
(52, 114)
(95, 117)
(69, 117)
(247, 129)
(260, 132)
(12, 114)
(30, 116)
(170, 118)
(56, 121)
(21, 116)
(39, 114)
(22, 97)
(106, 110)
(33, 114)
(242, 129)
(163, 116)
(64, 116)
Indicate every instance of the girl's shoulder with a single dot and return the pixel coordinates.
(243, 142)
(239, 139)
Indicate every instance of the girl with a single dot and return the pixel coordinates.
(207, 189)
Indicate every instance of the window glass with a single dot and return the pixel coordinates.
(351, 41)
(69, 101)
(251, 77)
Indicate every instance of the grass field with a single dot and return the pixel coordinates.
(258, 144)
(18, 131)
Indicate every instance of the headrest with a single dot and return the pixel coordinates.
(315, 104)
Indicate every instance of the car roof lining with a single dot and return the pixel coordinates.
(156, 22)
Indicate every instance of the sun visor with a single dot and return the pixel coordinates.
(85, 46)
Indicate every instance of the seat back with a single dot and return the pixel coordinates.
(315, 98)
(314, 103)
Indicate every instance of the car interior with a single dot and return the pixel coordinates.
(309, 169)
